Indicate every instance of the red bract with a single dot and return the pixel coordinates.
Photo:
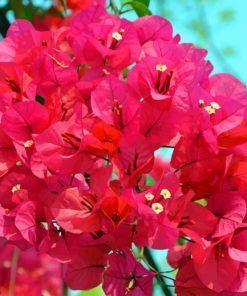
(16, 85)
(31, 119)
(213, 265)
(230, 210)
(8, 156)
(87, 108)
(187, 284)
(21, 40)
(73, 211)
(87, 272)
(114, 102)
(125, 276)
(60, 148)
(108, 42)
(52, 69)
(151, 28)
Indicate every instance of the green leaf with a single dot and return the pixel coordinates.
(140, 8)
(21, 11)
(40, 99)
(203, 202)
(98, 291)
(144, 2)
(125, 72)
(124, 2)
(181, 241)
(149, 181)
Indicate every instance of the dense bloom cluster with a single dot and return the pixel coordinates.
(85, 110)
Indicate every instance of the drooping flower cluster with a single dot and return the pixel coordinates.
(84, 109)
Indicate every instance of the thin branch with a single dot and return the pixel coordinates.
(151, 262)
(168, 146)
(114, 7)
(65, 289)
(125, 11)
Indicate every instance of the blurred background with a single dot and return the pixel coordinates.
(220, 26)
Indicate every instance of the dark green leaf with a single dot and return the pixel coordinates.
(140, 8)
(4, 23)
(144, 2)
(40, 99)
(149, 181)
(181, 241)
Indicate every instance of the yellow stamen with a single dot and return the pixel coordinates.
(157, 207)
(59, 63)
(165, 193)
(149, 196)
(28, 143)
(131, 284)
(117, 36)
(201, 102)
(16, 188)
(161, 67)
(210, 110)
(215, 105)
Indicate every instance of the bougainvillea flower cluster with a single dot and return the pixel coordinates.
(85, 110)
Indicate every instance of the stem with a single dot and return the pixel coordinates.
(167, 146)
(114, 7)
(125, 11)
(13, 271)
(151, 261)
(168, 271)
(65, 289)
(167, 277)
